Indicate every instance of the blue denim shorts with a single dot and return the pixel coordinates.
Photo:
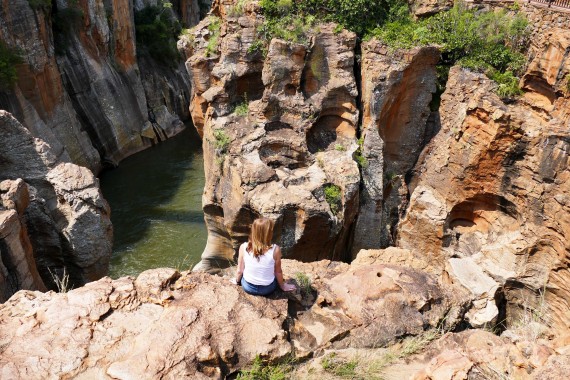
(258, 290)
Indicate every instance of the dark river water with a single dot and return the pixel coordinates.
(156, 207)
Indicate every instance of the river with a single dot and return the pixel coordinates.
(156, 207)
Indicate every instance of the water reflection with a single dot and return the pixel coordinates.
(156, 207)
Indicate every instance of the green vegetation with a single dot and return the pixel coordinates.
(488, 42)
(304, 283)
(9, 58)
(358, 155)
(359, 16)
(157, 30)
(238, 8)
(242, 109)
(333, 197)
(568, 83)
(43, 5)
(262, 371)
(65, 23)
(215, 27)
(257, 46)
(340, 147)
(340, 367)
(222, 140)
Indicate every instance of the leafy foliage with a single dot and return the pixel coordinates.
(43, 5)
(490, 42)
(242, 109)
(157, 31)
(222, 140)
(9, 58)
(333, 197)
(359, 16)
(358, 155)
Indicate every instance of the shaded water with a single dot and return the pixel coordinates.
(156, 207)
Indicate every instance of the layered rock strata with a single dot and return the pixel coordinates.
(86, 94)
(397, 89)
(288, 149)
(488, 203)
(61, 209)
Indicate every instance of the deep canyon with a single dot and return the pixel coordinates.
(411, 205)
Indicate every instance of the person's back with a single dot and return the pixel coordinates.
(259, 270)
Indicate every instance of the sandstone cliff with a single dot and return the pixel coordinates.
(82, 87)
(54, 216)
(278, 132)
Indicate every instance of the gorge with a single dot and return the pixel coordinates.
(417, 177)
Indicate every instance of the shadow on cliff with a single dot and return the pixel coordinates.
(161, 184)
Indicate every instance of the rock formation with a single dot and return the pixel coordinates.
(492, 185)
(81, 87)
(61, 212)
(397, 89)
(164, 324)
(289, 150)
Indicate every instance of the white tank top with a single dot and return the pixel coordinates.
(260, 272)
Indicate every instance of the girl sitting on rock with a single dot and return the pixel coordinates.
(259, 262)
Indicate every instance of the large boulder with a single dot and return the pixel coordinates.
(60, 204)
(288, 147)
(489, 202)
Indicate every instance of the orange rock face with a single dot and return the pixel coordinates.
(491, 192)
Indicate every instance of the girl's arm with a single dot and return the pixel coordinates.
(279, 272)
(241, 264)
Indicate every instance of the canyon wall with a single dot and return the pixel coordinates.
(83, 88)
(55, 220)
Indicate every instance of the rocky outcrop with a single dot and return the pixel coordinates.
(17, 265)
(61, 207)
(488, 203)
(397, 89)
(81, 88)
(167, 324)
(423, 8)
(289, 146)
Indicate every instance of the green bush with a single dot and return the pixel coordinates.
(157, 31)
(489, 42)
(43, 5)
(359, 16)
(222, 140)
(304, 283)
(333, 197)
(261, 371)
(9, 58)
(242, 109)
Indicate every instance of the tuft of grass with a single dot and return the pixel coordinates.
(333, 197)
(568, 83)
(222, 141)
(62, 283)
(257, 46)
(358, 155)
(238, 8)
(533, 320)
(263, 371)
(242, 109)
(215, 28)
(340, 147)
(343, 368)
(304, 282)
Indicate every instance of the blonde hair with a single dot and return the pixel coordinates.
(260, 237)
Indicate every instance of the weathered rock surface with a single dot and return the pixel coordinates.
(422, 8)
(86, 94)
(61, 206)
(167, 324)
(397, 89)
(489, 202)
(296, 139)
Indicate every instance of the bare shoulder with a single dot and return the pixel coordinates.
(277, 252)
